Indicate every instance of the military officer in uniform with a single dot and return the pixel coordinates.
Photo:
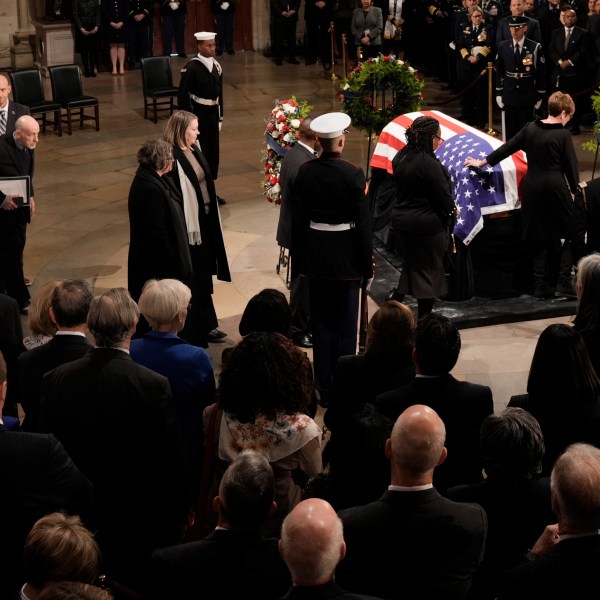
(332, 240)
(201, 92)
(520, 87)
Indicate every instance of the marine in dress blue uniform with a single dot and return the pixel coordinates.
(332, 241)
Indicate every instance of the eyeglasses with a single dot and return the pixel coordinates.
(440, 139)
(345, 131)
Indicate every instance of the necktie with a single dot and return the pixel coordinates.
(567, 37)
(517, 54)
(2, 122)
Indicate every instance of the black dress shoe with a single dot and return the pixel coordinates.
(310, 61)
(221, 201)
(294, 61)
(182, 55)
(305, 341)
(216, 335)
(394, 294)
(230, 51)
(278, 62)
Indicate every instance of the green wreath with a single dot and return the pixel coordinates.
(378, 90)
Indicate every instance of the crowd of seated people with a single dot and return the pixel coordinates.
(429, 484)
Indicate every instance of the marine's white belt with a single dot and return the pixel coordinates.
(331, 227)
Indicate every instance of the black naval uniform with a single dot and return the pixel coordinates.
(521, 82)
(473, 41)
(332, 240)
(201, 92)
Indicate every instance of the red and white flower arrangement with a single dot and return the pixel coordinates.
(281, 133)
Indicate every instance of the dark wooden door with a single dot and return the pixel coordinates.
(200, 18)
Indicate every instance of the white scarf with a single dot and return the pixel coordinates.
(190, 208)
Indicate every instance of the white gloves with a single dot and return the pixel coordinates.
(220, 125)
(499, 101)
(537, 104)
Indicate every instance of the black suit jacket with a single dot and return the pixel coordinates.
(412, 536)
(240, 564)
(38, 478)
(325, 591)
(569, 571)
(518, 510)
(35, 363)
(116, 419)
(11, 345)
(577, 52)
(292, 161)
(15, 110)
(462, 406)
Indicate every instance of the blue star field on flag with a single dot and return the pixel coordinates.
(472, 188)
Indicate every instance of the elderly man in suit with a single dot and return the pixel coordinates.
(116, 419)
(38, 478)
(563, 563)
(412, 533)
(16, 160)
(305, 149)
(461, 405)
(312, 544)
(233, 559)
(68, 310)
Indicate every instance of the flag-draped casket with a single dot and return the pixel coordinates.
(477, 193)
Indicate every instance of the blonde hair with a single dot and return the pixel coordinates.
(38, 317)
(59, 547)
(162, 300)
(175, 129)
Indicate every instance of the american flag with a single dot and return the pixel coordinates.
(477, 193)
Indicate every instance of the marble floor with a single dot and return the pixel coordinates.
(82, 182)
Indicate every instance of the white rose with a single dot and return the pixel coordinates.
(276, 189)
(295, 123)
(347, 86)
(400, 62)
(280, 126)
(279, 113)
(412, 70)
(288, 108)
(376, 59)
(288, 137)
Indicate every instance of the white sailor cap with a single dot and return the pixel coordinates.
(330, 125)
(203, 36)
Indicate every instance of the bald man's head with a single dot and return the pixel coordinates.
(312, 542)
(417, 442)
(26, 131)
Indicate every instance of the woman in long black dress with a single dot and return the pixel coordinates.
(191, 175)
(547, 198)
(422, 215)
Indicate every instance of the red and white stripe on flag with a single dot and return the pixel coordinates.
(393, 138)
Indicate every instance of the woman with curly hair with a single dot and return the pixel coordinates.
(422, 215)
(265, 390)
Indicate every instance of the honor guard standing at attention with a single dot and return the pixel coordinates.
(521, 77)
(201, 92)
(332, 240)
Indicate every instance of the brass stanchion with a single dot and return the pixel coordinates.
(490, 70)
(344, 66)
(359, 55)
(333, 76)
